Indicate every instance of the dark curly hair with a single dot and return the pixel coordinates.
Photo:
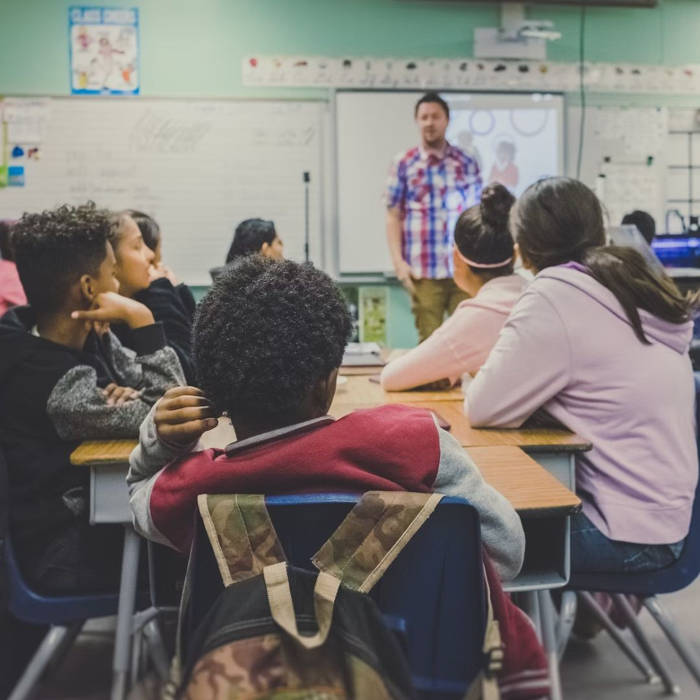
(7, 251)
(265, 334)
(249, 237)
(55, 248)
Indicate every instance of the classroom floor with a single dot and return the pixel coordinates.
(590, 671)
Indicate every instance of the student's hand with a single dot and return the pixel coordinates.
(183, 415)
(403, 272)
(113, 307)
(158, 271)
(118, 395)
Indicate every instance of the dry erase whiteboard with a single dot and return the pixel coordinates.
(373, 127)
(197, 166)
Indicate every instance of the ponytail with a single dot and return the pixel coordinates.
(636, 286)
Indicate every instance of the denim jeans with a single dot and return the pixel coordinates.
(593, 552)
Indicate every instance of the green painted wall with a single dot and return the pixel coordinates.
(193, 48)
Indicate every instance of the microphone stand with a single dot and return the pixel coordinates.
(307, 180)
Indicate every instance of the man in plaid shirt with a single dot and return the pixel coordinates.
(429, 186)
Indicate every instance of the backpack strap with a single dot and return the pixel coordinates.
(485, 685)
(279, 596)
(372, 535)
(241, 535)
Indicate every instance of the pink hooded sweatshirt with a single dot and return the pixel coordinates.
(462, 343)
(11, 291)
(568, 347)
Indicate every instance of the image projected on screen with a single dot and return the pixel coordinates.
(515, 147)
(515, 138)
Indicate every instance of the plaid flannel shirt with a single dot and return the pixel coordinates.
(430, 193)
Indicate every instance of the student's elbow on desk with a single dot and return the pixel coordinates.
(483, 413)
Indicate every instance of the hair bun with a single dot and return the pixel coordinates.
(496, 203)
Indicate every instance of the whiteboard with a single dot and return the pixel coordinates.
(198, 166)
(372, 127)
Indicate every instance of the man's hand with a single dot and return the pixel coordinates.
(183, 415)
(111, 307)
(118, 395)
(403, 272)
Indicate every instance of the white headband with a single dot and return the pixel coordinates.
(484, 266)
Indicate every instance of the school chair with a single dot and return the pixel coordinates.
(432, 595)
(648, 586)
(66, 616)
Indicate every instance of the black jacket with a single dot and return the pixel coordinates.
(50, 400)
(174, 307)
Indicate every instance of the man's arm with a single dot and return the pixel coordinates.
(393, 237)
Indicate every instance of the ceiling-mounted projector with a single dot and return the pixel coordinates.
(517, 37)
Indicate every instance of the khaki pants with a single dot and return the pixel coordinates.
(431, 300)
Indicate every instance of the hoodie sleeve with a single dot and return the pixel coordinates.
(147, 461)
(455, 348)
(529, 365)
(79, 410)
(501, 530)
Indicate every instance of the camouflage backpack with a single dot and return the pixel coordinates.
(277, 631)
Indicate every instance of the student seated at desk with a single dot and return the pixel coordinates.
(65, 378)
(268, 341)
(252, 236)
(11, 292)
(601, 343)
(143, 277)
(483, 258)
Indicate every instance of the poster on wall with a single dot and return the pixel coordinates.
(104, 50)
(373, 302)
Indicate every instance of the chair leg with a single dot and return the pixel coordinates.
(65, 646)
(679, 644)
(591, 604)
(567, 616)
(549, 642)
(625, 608)
(156, 650)
(52, 643)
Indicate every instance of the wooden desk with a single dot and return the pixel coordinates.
(360, 390)
(94, 453)
(530, 489)
(544, 506)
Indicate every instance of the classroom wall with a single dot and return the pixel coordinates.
(193, 48)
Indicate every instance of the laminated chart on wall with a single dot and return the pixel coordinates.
(627, 187)
(623, 156)
(24, 122)
(104, 50)
(633, 163)
(466, 73)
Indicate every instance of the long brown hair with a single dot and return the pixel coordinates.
(559, 220)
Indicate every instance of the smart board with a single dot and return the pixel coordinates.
(515, 138)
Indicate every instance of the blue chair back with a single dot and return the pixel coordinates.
(28, 606)
(432, 594)
(669, 579)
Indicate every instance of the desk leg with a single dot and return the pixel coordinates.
(127, 599)
(549, 641)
